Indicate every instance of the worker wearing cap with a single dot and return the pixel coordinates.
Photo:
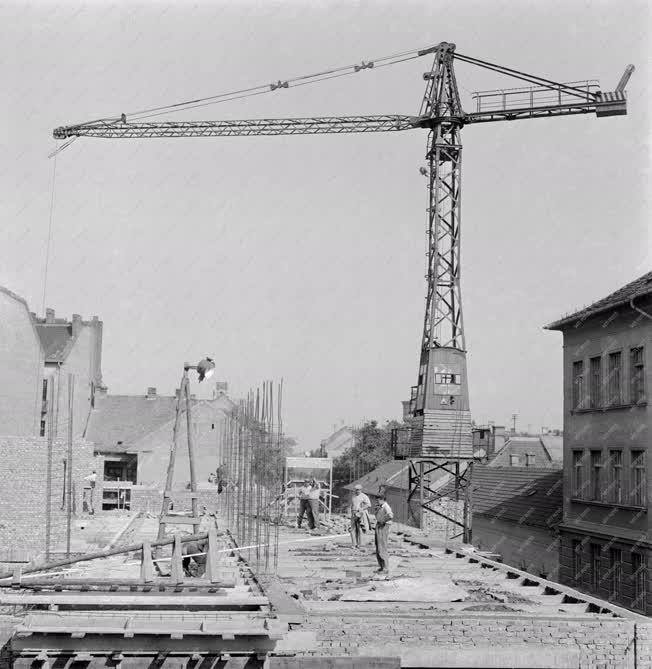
(304, 505)
(384, 517)
(359, 519)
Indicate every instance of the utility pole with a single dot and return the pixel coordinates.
(514, 417)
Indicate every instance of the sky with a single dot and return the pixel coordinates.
(304, 257)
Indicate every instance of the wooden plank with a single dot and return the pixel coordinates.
(156, 599)
(225, 585)
(180, 520)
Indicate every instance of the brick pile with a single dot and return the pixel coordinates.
(23, 472)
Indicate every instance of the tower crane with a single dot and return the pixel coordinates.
(440, 434)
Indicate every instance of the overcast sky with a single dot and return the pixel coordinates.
(303, 257)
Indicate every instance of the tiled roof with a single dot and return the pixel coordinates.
(524, 495)
(55, 339)
(522, 446)
(129, 418)
(392, 473)
(126, 419)
(637, 288)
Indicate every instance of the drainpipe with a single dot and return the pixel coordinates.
(640, 311)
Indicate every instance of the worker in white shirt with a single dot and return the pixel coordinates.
(304, 505)
(314, 496)
(384, 517)
(92, 480)
(359, 518)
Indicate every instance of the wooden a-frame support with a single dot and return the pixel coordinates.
(165, 518)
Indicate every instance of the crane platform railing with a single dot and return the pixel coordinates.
(533, 97)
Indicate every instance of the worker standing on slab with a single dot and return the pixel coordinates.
(384, 517)
(360, 504)
(313, 497)
(304, 505)
(92, 482)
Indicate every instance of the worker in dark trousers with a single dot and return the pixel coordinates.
(192, 548)
(304, 505)
(384, 516)
(314, 496)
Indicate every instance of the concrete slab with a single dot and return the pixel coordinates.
(422, 589)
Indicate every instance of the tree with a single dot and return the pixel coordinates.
(372, 447)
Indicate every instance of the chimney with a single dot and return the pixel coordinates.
(151, 393)
(49, 315)
(76, 324)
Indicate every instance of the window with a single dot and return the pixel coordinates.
(616, 476)
(45, 390)
(513, 460)
(595, 566)
(615, 371)
(615, 573)
(447, 378)
(639, 581)
(595, 382)
(578, 474)
(637, 375)
(529, 459)
(577, 561)
(638, 478)
(42, 429)
(578, 384)
(596, 476)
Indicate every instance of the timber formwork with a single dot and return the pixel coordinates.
(160, 617)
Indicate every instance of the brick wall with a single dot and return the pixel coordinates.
(532, 549)
(23, 472)
(149, 499)
(607, 644)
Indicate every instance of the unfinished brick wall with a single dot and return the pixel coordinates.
(607, 644)
(527, 547)
(149, 499)
(23, 472)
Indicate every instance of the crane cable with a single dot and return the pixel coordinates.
(301, 80)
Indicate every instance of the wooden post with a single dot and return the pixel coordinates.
(48, 473)
(191, 456)
(146, 564)
(173, 452)
(71, 401)
(212, 564)
(176, 566)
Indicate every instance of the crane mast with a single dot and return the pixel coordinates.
(439, 435)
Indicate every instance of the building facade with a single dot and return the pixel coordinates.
(37, 357)
(133, 434)
(606, 533)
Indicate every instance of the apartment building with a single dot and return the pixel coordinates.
(606, 531)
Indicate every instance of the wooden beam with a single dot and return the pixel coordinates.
(151, 599)
(119, 550)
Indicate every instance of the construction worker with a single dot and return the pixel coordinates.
(313, 498)
(359, 517)
(304, 505)
(384, 516)
(192, 548)
(92, 482)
